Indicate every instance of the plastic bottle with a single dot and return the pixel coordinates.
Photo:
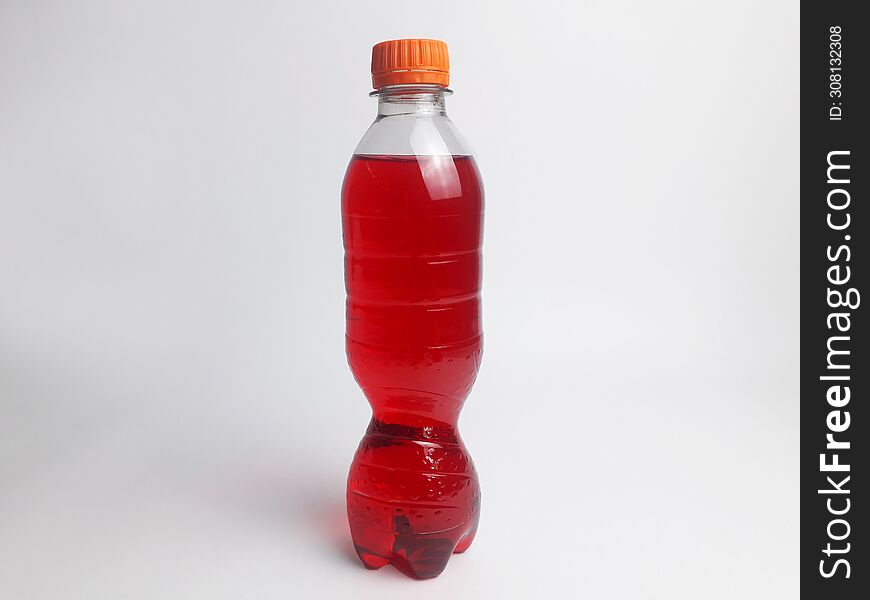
(412, 211)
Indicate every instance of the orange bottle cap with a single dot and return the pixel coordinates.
(398, 62)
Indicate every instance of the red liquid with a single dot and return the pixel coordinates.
(412, 236)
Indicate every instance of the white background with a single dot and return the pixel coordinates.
(176, 414)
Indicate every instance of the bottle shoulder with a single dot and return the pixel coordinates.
(414, 135)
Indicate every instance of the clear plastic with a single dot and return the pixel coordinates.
(412, 121)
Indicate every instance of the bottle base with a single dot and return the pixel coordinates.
(417, 555)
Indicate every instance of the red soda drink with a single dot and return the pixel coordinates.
(412, 211)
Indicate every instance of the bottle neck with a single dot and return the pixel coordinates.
(420, 100)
